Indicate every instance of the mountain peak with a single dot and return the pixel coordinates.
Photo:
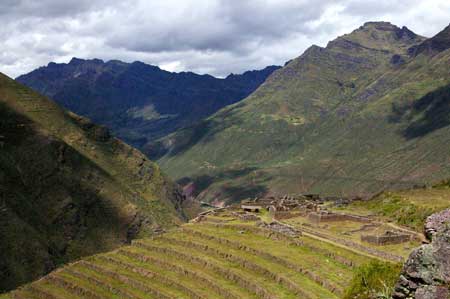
(382, 36)
(379, 25)
(79, 61)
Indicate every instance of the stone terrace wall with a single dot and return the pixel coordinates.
(280, 215)
(385, 240)
(328, 217)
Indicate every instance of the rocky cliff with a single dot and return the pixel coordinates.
(426, 274)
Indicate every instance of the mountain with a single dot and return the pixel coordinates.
(139, 102)
(68, 189)
(366, 113)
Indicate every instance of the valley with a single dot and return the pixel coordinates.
(325, 178)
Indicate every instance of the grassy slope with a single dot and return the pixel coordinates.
(406, 207)
(68, 189)
(337, 120)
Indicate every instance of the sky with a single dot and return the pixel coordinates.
(217, 37)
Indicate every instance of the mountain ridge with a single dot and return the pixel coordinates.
(139, 102)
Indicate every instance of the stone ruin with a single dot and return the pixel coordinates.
(248, 217)
(280, 228)
(289, 207)
(387, 238)
(284, 208)
(245, 216)
(204, 215)
(326, 216)
(247, 207)
(304, 205)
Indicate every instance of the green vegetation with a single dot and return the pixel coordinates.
(400, 210)
(340, 120)
(68, 189)
(406, 207)
(375, 280)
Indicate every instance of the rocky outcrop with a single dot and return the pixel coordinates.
(436, 222)
(426, 274)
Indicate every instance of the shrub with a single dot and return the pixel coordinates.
(374, 280)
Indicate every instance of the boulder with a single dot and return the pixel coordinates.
(426, 273)
(436, 222)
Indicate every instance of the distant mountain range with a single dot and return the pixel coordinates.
(69, 189)
(137, 101)
(368, 112)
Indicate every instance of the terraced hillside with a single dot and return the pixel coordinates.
(368, 112)
(219, 257)
(68, 189)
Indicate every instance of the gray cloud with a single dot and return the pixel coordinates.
(49, 8)
(205, 36)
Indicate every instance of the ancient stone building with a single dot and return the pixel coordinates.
(325, 216)
(389, 237)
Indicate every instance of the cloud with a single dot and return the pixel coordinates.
(205, 36)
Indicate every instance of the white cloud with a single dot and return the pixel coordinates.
(205, 36)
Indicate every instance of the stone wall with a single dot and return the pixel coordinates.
(280, 215)
(386, 239)
(329, 217)
(351, 244)
(249, 217)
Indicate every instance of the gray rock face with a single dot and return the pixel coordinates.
(436, 222)
(426, 274)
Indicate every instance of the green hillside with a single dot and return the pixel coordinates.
(408, 207)
(68, 189)
(369, 112)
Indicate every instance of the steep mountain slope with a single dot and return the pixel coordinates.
(139, 102)
(68, 189)
(366, 113)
